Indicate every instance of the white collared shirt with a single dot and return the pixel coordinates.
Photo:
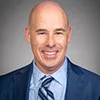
(57, 86)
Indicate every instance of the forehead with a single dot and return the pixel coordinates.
(49, 19)
(48, 15)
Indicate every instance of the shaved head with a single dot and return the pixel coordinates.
(49, 8)
(49, 34)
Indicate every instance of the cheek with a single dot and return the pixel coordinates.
(37, 42)
(62, 41)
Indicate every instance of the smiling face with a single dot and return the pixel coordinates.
(49, 35)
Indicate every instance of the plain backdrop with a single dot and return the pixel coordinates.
(84, 48)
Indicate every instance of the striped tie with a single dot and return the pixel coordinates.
(44, 93)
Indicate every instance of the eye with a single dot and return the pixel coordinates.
(59, 33)
(41, 33)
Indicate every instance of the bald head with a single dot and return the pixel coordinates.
(49, 34)
(49, 9)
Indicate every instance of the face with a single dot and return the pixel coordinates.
(49, 37)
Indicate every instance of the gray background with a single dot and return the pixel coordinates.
(84, 48)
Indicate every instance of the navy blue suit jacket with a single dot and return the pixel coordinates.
(81, 84)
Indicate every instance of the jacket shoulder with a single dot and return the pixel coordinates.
(17, 71)
(91, 76)
(7, 79)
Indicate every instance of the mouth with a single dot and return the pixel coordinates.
(50, 54)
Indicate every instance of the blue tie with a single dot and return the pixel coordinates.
(44, 93)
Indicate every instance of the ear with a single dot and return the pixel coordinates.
(69, 33)
(27, 35)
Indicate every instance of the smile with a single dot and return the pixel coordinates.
(50, 53)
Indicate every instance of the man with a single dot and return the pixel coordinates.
(51, 76)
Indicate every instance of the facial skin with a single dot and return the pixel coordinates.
(49, 34)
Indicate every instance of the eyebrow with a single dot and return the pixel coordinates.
(39, 30)
(58, 29)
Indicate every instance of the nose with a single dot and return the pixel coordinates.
(50, 41)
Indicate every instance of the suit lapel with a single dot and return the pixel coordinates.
(76, 83)
(21, 83)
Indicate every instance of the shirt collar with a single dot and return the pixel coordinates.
(59, 75)
(37, 74)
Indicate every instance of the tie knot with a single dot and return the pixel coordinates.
(47, 82)
(44, 92)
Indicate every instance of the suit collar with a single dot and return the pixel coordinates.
(76, 82)
(21, 82)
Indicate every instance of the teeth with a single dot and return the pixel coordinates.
(50, 53)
